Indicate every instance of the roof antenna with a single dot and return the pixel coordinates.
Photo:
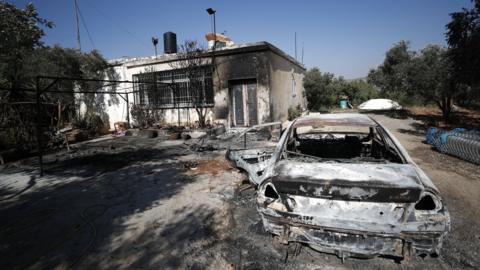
(155, 42)
(295, 45)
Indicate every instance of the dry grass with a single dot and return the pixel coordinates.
(432, 116)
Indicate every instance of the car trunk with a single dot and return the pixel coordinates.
(360, 197)
(365, 182)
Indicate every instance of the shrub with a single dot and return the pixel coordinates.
(294, 112)
(142, 116)
(91, 122)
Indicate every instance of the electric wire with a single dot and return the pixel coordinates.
(109, 19)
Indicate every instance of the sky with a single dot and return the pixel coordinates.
(347, 38)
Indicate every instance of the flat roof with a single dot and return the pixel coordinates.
(336, 119)
(230, 50)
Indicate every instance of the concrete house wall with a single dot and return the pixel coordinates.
(125, 70)
(238, 67)
(286, 86)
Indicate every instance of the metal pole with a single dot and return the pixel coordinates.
(78, 27)
(178, 111)
(214, 63)
(128, 111)
(295, 45)
(214, 32)
(178, 107)
(39, 129)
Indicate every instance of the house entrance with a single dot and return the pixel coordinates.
(243, 100)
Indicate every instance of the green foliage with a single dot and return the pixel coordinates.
(142, 116)
(23, 58)
(294, 112)
(393, 77)
(323, 89)
(145, 116)
(359, 91)
(17, 128)
(91, 122)
(20, 35)
(319, 89)
(22, 25)
(463, 37)
(416, 78)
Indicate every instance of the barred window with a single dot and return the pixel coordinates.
(179, 88)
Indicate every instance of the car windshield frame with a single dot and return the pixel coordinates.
(364, 121)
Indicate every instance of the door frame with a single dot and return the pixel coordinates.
(246, 114)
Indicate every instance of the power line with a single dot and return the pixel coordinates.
(85, 26)
(108, 18)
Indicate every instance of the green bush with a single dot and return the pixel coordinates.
(294, 112)
(91, 122)
(143, 116)
(323, 90)
(359, 91)
(320, 89)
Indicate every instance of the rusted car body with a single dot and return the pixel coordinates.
(343, 184)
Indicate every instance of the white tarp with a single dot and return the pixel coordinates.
(379, 104)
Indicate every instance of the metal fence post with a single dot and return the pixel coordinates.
(39, 128)
(128, 111)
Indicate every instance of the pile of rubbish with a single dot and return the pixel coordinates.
(458, 142)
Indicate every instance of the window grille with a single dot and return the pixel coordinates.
(175, 88)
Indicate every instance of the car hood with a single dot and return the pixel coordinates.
(346, 181)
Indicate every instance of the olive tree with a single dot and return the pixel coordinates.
(192, 61)
(463, 38)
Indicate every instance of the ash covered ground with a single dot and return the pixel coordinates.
(131, 202)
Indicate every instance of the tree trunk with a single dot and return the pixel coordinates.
(201, 117)
(445, 105)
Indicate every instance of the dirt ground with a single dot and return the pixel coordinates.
(432, 116)
(139, 203)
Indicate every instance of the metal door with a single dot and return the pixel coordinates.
(244, 103)
(238, 105)
(252, 103)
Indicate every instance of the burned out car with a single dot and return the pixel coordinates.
(343, 184)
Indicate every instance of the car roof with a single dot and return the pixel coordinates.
(336, 119)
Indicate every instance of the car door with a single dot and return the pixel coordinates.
(252, 149)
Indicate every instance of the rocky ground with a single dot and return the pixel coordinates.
(139, 203)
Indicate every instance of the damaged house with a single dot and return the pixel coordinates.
(242, 85)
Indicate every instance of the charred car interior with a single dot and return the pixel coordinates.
(341, 144)
(342, 184)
